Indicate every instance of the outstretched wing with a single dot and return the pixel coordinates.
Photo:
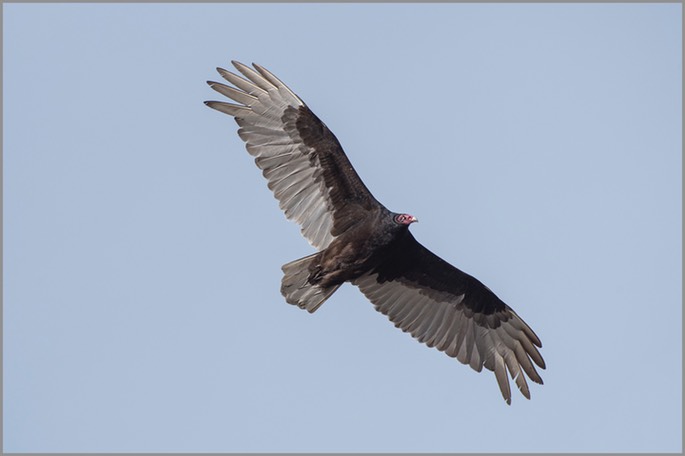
(448, 309)
(304, 164)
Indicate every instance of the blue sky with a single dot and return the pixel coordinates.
(539, 145)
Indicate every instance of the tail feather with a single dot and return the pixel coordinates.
(296, 288)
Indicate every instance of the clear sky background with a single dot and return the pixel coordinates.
(539, 145)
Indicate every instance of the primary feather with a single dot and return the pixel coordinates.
(362, 242)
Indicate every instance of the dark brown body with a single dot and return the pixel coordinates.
(352, 253)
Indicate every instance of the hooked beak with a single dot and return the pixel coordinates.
(414, 219)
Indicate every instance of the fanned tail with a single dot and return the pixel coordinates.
(296, 288)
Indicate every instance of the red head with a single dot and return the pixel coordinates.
(405, 219)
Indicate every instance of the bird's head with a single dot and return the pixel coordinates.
(404, 219)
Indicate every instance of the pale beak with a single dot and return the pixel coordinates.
(414, 219)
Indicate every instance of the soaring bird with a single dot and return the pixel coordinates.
(358, 240)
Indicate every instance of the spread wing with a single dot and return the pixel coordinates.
(302, 160)
(448, 309)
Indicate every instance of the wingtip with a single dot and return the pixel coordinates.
(237, 64)
(542, 364)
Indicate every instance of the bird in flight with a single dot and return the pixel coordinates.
(362, 242)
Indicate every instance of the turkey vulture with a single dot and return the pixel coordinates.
(361, 242)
